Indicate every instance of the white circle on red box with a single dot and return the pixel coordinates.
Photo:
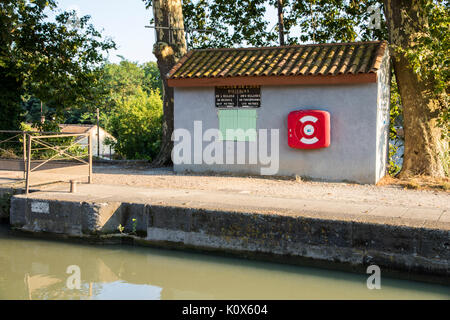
(308, 130)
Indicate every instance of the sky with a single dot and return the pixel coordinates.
(122, 20)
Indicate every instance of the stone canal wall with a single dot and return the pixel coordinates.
(5, 201)
(411, 251)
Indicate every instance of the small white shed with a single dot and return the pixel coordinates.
(318, 111)
(103, 150)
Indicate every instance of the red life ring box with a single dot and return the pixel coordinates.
(309, 129)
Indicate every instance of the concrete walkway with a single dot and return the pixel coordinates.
(413, 215)
(336, 201)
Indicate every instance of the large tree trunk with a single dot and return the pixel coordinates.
(423, 148)
(170, 46)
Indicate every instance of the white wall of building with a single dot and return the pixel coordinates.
(358, 136)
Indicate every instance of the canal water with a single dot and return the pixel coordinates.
(42, 269)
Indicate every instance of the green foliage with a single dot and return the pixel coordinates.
(244, 23)
(55, 61)
(396, 122)
(321, 21)
(152, 77)
(134, 226)
(31, 110)
(131, 102)
(133, 112)
(136, 123)
(10, 92)
(235, 22)
(121, 80)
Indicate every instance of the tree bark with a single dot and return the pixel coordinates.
(280, 22)
(170, 46)
(423, 148)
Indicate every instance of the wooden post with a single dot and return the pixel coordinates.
(90, 157)
(27, 182)
(73, 186)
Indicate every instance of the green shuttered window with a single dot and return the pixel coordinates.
(238, 124)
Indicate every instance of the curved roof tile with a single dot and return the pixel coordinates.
(332, 59)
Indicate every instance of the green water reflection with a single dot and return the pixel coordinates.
(36, 269)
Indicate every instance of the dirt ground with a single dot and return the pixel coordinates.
(394, 194)
(280, 187)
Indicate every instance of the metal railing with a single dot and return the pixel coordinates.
(15, 142)
(47, 147)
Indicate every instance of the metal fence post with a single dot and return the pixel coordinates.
(90, 157)
(24, 145)
(27, 183)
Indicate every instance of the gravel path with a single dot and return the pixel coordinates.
(165, 178)
(269, 186)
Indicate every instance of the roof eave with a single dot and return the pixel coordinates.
(275, 80)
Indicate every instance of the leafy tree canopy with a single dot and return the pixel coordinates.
(56, 61)
(238, 23)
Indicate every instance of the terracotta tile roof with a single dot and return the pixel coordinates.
(332, 59)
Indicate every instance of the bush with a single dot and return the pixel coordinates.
(136, 123)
